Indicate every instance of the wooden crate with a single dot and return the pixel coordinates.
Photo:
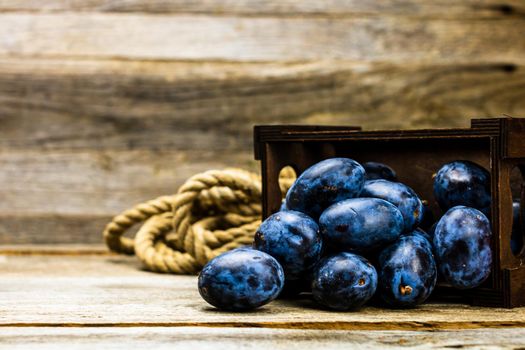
(496, 144)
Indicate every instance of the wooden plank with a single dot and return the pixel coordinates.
(69, 104)
(73, 249)
(196, 37)
(112, 291)
(413, 8)
(82, 140)
(69, 196)
(98, 183)
(252, 338)
(32, 228)
(114, 104)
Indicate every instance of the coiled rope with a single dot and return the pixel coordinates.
(212, 212)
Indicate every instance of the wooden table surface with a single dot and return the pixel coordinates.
(86, 298)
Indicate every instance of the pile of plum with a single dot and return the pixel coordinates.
(347, 233)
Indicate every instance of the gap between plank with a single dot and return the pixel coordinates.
(354, 326)
(55, 250)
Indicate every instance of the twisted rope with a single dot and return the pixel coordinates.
(211, 213)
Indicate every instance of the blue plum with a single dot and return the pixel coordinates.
(419, 232)
(407, 271)
(462, 247)
(344, 281)
(293, 239)
(375, 170)
(325, 183)
(465, 183)
(360, 224)
(402, 196)
(516, 239)
(241, 279)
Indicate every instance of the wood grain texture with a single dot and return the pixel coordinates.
(112, 291)
(107, 103)
(412, 8)
(71, 249)
(98, 183)
(57, 104)
(33, 228)
(196, 37)
(69, 196)
(82, 140)
(252, 338)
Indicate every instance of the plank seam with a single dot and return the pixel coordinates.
(371, 326)
(479, 13)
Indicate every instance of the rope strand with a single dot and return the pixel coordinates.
(211, 213)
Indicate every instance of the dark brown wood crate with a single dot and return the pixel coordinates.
(496, 144)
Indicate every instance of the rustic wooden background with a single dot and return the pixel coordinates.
(106, 103)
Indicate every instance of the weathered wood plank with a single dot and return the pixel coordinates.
(73, 249)
(413, 8)
(252, 338)
(111, 291)
(57, 104)
(98, 183)
(69, 196)
(196, 37)
(43, 229)
(82, 140)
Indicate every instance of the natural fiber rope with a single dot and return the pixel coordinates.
(211, 213)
